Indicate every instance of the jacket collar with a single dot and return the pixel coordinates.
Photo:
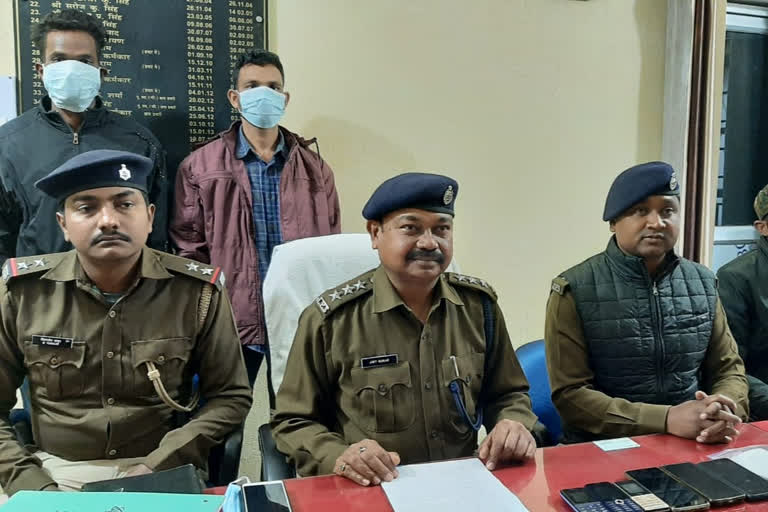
(633, 267)
(385, 297)
(69, 269)
(91, 116)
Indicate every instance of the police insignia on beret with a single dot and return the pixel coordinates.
(673, 184)
(448, 196)
(124, 172)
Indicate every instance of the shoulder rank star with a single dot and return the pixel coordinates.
(335, 295)
(194, 267)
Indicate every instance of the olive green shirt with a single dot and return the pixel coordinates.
(330, 398)
(584, 408)
(90, 395)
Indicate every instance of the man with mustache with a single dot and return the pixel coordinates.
(400, 364)
(744, 289)
(636, 336)
(110, 336)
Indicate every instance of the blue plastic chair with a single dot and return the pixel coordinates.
(533, 359)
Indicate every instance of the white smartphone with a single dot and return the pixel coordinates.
(265, 497)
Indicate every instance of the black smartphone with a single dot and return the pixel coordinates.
(648, 501)
(265, 497)
(679, 497)
(715, 490)
(754, 486)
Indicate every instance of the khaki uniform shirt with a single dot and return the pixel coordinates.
(333, 395)
(584, 408)
(90, 394)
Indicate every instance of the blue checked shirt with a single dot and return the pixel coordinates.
(265, 190)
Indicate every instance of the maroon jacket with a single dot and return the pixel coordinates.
(213, 220)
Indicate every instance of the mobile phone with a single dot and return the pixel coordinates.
(679, 497)
(265, 497)
(754, 486)
(715, 490)
(648, 501)
(599, 497)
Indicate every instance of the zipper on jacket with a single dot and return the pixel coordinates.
(75, 138)
(656, 318)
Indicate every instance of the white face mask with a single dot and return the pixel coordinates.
(71, 84)
(262, 106)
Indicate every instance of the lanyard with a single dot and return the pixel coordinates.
(456, 383)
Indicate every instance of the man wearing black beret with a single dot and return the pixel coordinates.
(110, 336)
(637, 339)
(403, 363)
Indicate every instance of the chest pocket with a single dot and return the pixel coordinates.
(471, 369)
(384, 398)
(170, 355)
(57, 370)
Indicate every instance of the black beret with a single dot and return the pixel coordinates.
(431, 192)
(637, 183)
(97, 169)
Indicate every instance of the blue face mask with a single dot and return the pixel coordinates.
(262, 106)
(233, 501)
(71, 84)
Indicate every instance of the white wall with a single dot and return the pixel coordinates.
(532, 105)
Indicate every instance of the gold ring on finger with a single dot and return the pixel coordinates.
(343, 467)
(362, 449)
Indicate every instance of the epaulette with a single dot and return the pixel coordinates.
(560, 284)
(471, 282)
(192, 268)
(332, 298)
(29, 265)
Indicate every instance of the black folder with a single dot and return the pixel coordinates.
(180, 480)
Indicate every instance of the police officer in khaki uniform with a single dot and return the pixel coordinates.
(110, 336)
(403, 363)
(636, 336)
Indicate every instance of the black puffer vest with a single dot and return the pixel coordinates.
(646, 339)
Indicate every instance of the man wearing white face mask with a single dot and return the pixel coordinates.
(70, 120)
(251, 188)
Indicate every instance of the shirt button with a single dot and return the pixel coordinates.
(54, 360)
(112, 314)
(161, 359)
(110, 401)
(382, 388)
(110, 354)
(112, 453)
(428, 386)
(434, 434)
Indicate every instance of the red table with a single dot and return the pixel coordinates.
(537, 483)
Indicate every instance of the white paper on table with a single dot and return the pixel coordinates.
(451, 486)
(620, 443)
(755, 460)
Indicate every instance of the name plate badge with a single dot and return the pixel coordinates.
(52, 341)
(376, 361)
